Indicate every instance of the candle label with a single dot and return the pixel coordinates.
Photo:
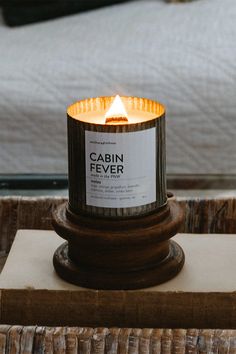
(120, 168)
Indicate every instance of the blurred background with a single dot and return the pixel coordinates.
(56, 52)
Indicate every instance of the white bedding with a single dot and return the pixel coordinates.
(183, 55)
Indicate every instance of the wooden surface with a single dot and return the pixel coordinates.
(73, 340)
(202, 295)
(70, 308)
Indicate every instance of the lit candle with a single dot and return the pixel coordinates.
(118, 222)
(116, 114)
(116, 156)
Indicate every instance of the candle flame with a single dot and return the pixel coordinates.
(116, 114)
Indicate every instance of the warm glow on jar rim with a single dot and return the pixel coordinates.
(93, 110)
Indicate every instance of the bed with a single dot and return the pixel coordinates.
(180, 54)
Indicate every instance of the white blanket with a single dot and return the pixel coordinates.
(183, 55)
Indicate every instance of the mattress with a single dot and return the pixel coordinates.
(180, 54)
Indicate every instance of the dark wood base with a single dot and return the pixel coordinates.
(103, 279)
(118, 254)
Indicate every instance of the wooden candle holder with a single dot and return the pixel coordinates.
(118, 254)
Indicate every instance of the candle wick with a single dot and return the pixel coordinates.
(116, 120)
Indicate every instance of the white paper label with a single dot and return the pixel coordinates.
(120, 168)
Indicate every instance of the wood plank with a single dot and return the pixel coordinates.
(88, 308)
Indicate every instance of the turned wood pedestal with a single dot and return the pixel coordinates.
(118, 254)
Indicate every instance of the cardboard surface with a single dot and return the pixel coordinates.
(209, 267)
